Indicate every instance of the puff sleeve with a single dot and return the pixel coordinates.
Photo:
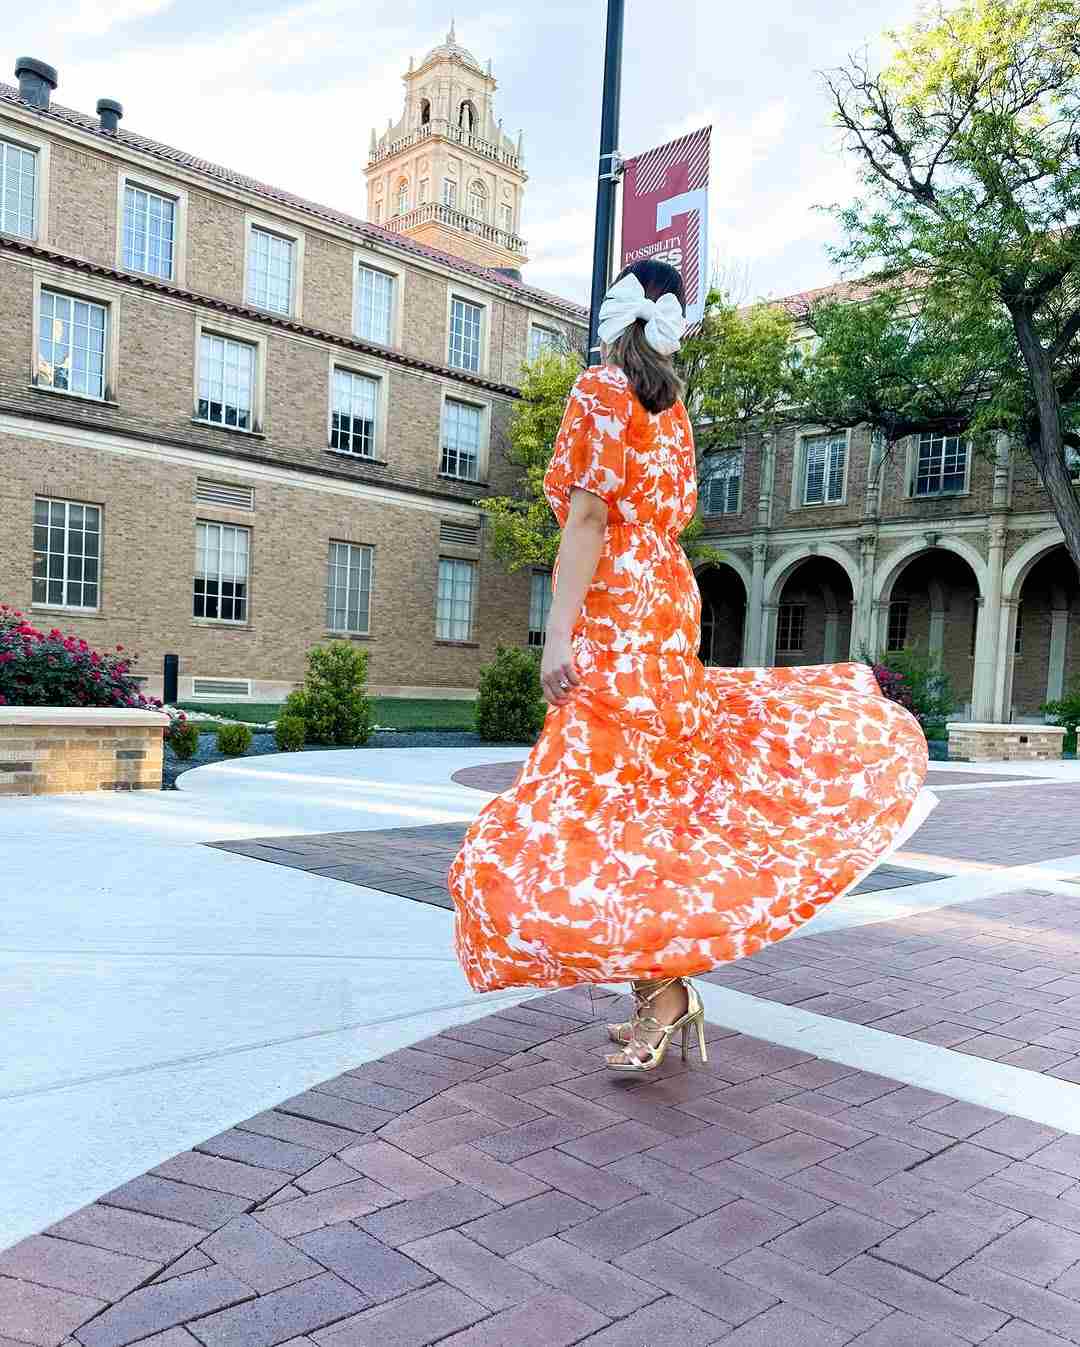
(590, 448)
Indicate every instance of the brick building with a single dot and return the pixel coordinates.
(234, 422)
(836, 548)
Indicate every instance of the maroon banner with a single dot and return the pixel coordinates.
(665, 212)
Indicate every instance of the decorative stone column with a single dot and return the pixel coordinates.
(988, 651)
(769, 613)
(1059, 631)
(751, 654)
(864, 634)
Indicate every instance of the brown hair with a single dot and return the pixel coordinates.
(652, 375)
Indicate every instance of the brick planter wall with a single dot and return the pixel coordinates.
(53, 750)
(971, 742)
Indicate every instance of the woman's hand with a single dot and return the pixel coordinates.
(558, 677)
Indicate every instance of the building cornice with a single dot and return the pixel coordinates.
(281, 323)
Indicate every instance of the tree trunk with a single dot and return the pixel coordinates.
(1048, 453)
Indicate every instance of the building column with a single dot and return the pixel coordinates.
(832, 637)
(988, 650)
(864, 635)
(752, 650)
(768, 633)
(1059, 633)
(1006, 663)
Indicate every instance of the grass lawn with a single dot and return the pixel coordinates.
(400, 713)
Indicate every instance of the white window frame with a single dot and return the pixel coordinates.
(94, 292)
(506, 213)
(364, 257)
(534, 327)
(377, 208)
(38, 145)
(423, 191)
(160, 187)
(791, 649)
(402, 191)
(366, 369)
(706, 509)
(483, 303)
(244, 621)
(913, 446)
(64, 606)
(480, 197)
(450, 193)
(232, 330)
(369, 550)
(474, 586)
(268, 225)
(454, 395)
(539, 607)
(890, 646)
(799, 479)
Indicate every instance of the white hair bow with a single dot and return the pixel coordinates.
(626, 302)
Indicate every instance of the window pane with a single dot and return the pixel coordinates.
(226, 381)
(465, 319)
(374, 305)
(461, 440)
(18, 189)
(454, 601)
(352, 425)
(539, 606)
(723, 482)
(270, 268)
(349, 588)
(941, 465)
(71, 344)
(66, 543)
(221, 566)
(149, 226)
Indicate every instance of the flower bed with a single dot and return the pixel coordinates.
(72, 718)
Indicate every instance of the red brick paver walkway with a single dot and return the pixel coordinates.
(494, 1185)
(995, 977)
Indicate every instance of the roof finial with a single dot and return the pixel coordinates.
(451, 36)
(410, 65)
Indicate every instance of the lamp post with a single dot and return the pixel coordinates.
(608, 172)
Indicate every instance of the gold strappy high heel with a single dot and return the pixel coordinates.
(643, 993)
(643, 1056)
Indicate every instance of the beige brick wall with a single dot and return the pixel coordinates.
(1025, 743)
(148, 544)
(58, 759)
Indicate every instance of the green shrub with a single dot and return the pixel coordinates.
(510, 706)
(1065, 711)
(290, 733)
(235, 740)
(333, 703)
(183, 738)
(926, 685)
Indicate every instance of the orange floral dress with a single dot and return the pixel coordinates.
(672, 817)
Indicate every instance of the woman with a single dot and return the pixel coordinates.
(670, 817)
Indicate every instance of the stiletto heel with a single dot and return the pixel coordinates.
(642, 1056)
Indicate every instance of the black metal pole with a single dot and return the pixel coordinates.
(605, 187)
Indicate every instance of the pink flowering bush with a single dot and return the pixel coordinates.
(894, 686)
(50, 669)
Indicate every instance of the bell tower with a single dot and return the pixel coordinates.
(445, 174)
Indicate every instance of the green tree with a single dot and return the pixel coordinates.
(899, 361)
(968, 145)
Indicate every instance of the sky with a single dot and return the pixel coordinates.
(288, 91)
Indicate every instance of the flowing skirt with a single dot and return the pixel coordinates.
(673, 817)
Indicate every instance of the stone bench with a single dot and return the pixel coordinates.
(970, 741)
(49, 750)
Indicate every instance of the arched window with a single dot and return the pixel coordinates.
(403, 197)
(478, 201)
(467, 117)
(425, 111)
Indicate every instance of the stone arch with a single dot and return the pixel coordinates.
(1017, 567)
(782, 569)
(724, 601)
(891, 565)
